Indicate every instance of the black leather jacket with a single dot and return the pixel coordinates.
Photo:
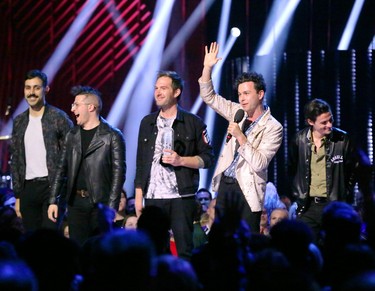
(341, 163)
(104, 164)
(190, 139)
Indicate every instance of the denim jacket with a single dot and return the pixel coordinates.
(190, 139)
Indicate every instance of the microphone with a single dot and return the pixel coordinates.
(237, 118)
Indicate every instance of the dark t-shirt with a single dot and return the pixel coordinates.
(86, 137)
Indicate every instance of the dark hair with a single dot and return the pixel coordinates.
(37, 74)
(256, 78)
(87, 90)
(177, 82)
(203, 190)
(314, 108)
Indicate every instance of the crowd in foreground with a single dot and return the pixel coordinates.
(232, 258)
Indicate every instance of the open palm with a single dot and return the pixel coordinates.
(210, 58)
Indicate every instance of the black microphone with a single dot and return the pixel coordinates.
(237, 118)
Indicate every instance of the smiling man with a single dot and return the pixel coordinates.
(168, 168)
(321, 164)
(241, 174)
(93, 163)
(37, 138)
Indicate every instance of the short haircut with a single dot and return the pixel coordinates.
(177, 82)
(204, 190)
(88, 91)
(316, 107)
(37, 74)
(256, 78)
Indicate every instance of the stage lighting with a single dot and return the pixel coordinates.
(235, 32)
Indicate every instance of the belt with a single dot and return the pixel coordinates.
(229, 180)
(82, 193)
(38, 179)
(318, 200)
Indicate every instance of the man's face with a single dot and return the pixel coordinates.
(277, 215)
(322, 125)
(164, 94)
(80, 109)
(248, 97)
(204, 199)
(35, 92)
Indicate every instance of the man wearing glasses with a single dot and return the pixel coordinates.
(93, 162)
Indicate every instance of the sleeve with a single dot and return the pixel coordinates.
(15, 157)
(60, 174)
(222, 106)
(259, 156)
(140, 159)
(351, 169)
(118, 155)
(205, 150)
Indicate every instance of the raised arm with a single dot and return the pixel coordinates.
(210, 60)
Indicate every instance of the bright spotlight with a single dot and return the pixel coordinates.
(235, 32)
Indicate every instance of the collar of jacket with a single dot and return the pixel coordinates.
(263, 120)
(179, 116)
(103, 126)
(46, 109)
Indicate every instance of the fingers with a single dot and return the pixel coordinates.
(52, 214)
(214, 47)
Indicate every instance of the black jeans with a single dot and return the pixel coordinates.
(181, 213)
(82, 219)
(34, 205)
(231, 201)
(313, 217)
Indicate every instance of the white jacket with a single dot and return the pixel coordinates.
(262, 144)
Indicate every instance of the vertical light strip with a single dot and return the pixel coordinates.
(309, 74)
(285, 128)
(354, 76)
(370, 123)
(338, 99)
(297, 102)
(370, 137)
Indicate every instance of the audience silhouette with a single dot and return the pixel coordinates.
(232, 258)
